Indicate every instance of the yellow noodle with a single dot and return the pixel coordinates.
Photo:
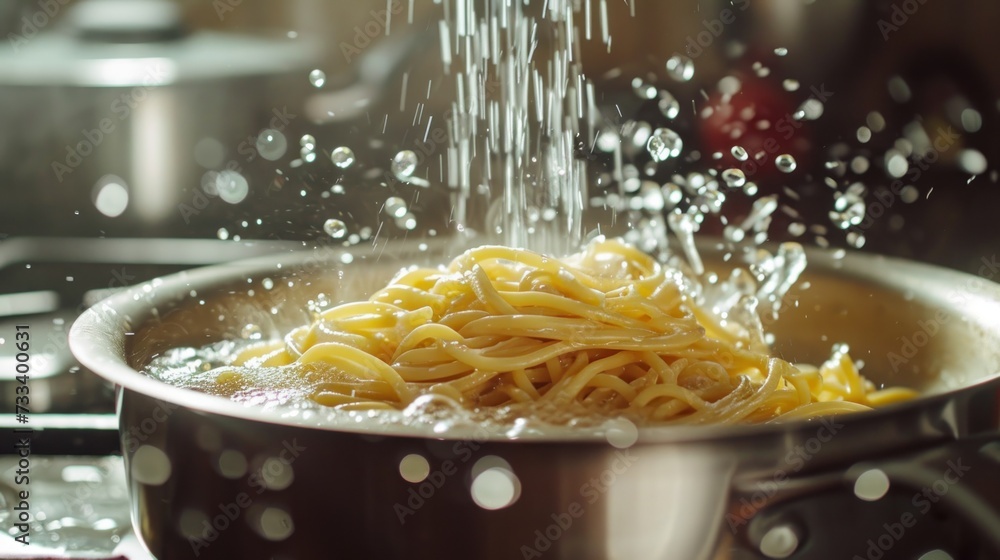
(608, 328)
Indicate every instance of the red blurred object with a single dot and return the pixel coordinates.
(760, 119)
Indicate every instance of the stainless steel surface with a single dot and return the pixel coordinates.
(674, 494)
(125, 94)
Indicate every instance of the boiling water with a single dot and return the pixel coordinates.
(533, 160)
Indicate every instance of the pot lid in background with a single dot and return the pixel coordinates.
(121, 43)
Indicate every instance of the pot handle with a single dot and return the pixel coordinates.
(960, 476)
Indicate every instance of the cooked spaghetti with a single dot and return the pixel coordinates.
(609, 330)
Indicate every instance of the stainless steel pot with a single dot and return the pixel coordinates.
(117, 110)
(213, 479)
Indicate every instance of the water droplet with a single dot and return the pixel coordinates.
(608, 140)
(734, 178)
(896, 165)
(395, 207)
(342, 157)
(909, 194)
(680, 68)
(335, 228)
(664, 144)
(734, 234)
(673, 194)
(231, 186)
(972, 120)
(642, 89)
(730, 85)
(668, 105)
(404, 164)
(252, 332)
(810, 110)
(740, 153)
(856, 239)
(785, 163)
(271, 144)
(973, 162)
(317, 78)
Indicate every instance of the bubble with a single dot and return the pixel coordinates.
(972, 120)
(750, 189)
(896, 165)
(734, 234)
(317, 78)
(342, 157)
(680, 68)
(308, 141)
(414, 468)
(790, 85)
(642, 89)
(740, 153)
(785, 163)
(810, 110)
(404, 164)
(730, 85)
(231, 186)
(864, 134)
(222, 234)
(664, 144)
(781, 51)
(150, 466)
(856, 240)
(252, 331)
(395, 207)
(909, 194)
(796, 229)
(308, 154)
(335, 228)
(972, 161)
(668, 105)
(899, 89)
(271, 144)
(111, 197)
(608, 140)
(734, 178)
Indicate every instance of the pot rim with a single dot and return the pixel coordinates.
(98, 340)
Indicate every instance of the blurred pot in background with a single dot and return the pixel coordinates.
(118, 110)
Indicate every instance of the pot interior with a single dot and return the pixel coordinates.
(912, 325)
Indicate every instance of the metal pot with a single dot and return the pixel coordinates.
(117, 109)
(213, 479)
